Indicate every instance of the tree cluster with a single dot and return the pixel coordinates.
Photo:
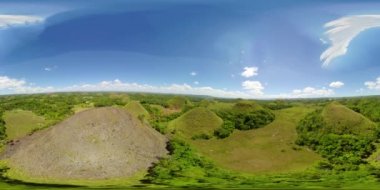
(342, 151)
(242, 120)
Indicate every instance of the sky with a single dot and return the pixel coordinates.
(255, 49)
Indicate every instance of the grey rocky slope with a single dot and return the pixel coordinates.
(100, 143)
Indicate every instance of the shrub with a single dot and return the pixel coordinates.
(3, 135)
(243, 119)
(225, 130)
(201, 136)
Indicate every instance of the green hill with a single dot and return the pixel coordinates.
(246, 106)
(136, 109)
(178, 102)
(20, 123)
(197, 121)
(341, 120)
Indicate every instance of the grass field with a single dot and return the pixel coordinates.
(20, 123)
(270, 149)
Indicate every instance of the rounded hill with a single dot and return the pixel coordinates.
(341, 120)
(198, 121)
(96, 144)
(136, 109)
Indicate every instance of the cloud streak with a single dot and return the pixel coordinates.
(7, 21)
(341, 32)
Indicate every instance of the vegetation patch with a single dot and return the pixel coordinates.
(185, 167)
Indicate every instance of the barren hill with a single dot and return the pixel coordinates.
(101, 143)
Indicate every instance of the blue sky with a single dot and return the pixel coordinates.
(227, 48)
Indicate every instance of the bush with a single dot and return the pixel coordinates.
(3, 135)
(184, 164)
(201, 136)
(253, 120)
(225, 130)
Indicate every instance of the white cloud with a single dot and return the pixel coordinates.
(254, 87)
(336, 84)
(342, 31)
(310, 92)
(196, 82)
(10, 83)
(373, 85)
(47, 69)
(193, 73)
(16, 86)
(7, 21)
(117, 85)
(249, 72)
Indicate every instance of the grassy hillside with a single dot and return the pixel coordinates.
(20, 123)
(178, 102)
(197, 121)
(246, 106)
(342, 120)
(219, 106)
(137, 109)
(163, 110)
(266, 150)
